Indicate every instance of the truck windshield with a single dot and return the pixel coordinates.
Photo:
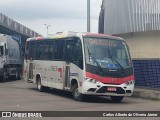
(109, 53)
(1, 50)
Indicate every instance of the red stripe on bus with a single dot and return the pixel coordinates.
(39, 38)
(108, 80)
(60, 70)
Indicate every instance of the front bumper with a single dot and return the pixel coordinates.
(107, 89)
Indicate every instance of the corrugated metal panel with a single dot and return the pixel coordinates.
(123, 16)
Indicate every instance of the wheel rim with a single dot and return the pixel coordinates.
(39, 85)
(76, 93)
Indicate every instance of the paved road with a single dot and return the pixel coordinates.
(21, 96)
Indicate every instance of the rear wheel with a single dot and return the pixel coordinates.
(76, 95)
(19, 74)
(117, 99)
(16, 75)
(40, 87)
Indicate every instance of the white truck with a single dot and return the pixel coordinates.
(10, 57)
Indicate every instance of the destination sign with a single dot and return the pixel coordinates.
(103, 42)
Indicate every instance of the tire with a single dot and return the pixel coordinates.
(116, 99)
(40, 87)
(4, 77)
(76, 95)
(19, 74)
(16, 76)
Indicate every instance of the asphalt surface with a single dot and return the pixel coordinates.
(21, 96)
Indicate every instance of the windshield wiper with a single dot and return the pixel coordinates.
(115, 60)
(94, 59)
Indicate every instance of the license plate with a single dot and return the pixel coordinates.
(111, 89)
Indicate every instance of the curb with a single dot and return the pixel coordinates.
(146, 94)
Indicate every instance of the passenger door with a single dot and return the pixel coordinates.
(73, 58)
(31, 57)
(68, 52)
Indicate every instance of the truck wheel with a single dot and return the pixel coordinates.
(76, 95)
(4, 77)
(40, 87)
(19, 74)
(16, 76)
(117, 99)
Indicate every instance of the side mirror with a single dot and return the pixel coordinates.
(6, 52)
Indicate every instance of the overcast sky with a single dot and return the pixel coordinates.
(62, 15)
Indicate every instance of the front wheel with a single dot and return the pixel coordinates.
(4, 77)
(117, 99)
(76, 95)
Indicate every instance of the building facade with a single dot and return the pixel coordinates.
(138, 22)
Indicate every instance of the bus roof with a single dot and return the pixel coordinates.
(73, 34)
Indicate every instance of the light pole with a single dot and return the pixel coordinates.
(88, 15)
(47, 26)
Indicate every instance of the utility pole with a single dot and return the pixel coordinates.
(47, 26)
(88, 15)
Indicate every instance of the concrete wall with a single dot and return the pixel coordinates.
(143, 45)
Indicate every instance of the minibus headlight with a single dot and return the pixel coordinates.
(127, 83)
(131, 82)
(93, 81)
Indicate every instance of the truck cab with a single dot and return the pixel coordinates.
(2, 57)
(2, 48)
(10, 57)
(2, 54)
